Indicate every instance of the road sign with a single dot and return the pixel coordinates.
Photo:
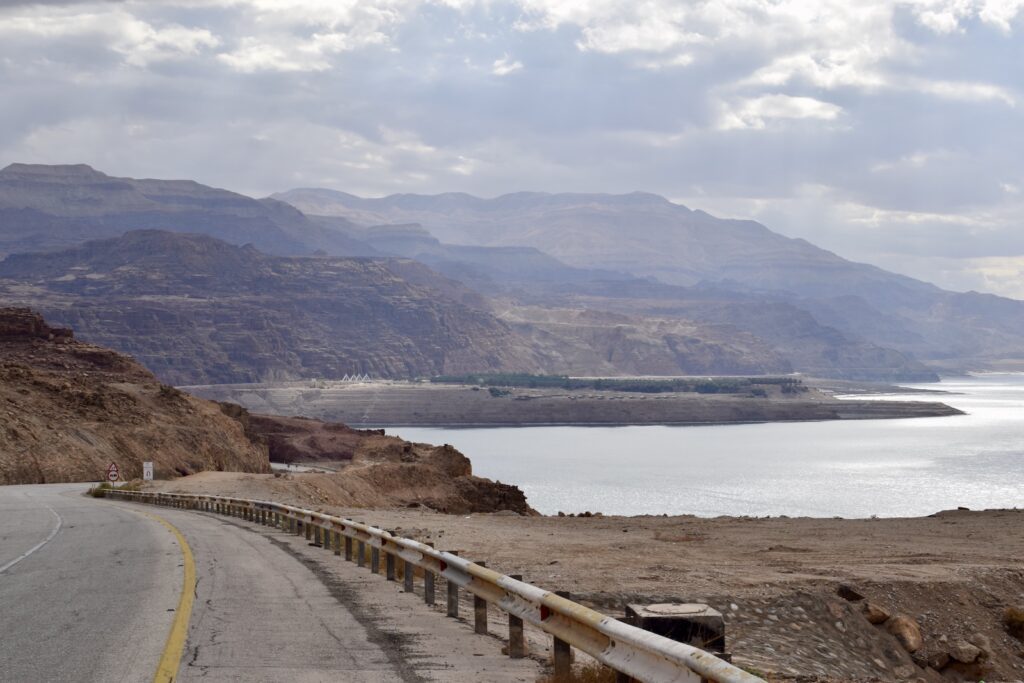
(113, 473)
(147, 471)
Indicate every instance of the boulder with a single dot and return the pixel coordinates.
(981, 641)
(906, 630)
(964, 652)
(875, 614)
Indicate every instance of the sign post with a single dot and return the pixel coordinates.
(113, 474)
(147, 471)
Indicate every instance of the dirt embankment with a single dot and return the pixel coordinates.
(375, 471)
(68, 409)
(804, 599)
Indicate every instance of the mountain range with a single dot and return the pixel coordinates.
(206, 286)
(676, 249)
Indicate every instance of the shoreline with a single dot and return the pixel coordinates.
(369, 405)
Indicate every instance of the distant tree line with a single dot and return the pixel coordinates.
(755, 386)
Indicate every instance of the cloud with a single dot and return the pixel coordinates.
(758, 111)
(886, 130)
(505, 66)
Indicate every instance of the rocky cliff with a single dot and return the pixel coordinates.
(68, 409)
(196, 310)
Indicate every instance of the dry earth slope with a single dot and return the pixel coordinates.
(69, 408)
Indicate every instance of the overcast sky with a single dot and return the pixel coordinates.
(889, 132)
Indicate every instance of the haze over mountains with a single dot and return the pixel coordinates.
(650, 237)
(212, 286)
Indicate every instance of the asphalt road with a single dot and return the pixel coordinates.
(94, 598)
(89, 589)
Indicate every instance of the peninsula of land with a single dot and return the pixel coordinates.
(394, 404)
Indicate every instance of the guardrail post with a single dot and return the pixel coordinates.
(309, 530)
(561, 651)
(336, 542)
(408, 575)
(375, 559)
(361, 553)
(317, 534)
(453, 595)
(389, 563)
(428, 584)
(348, 548)
(516, 640)
(623, 678)
(480, 611)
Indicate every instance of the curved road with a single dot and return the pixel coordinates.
(89, 589)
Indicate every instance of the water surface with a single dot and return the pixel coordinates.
(906, 467)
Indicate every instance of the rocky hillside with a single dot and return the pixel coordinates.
(649, 236)
(47, 207)
(69, 409)
(376, 470)
(196, 310)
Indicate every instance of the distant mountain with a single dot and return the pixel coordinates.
(492, 270)
(243, 314)
(52, 207)
(200, 311)
(649, 236)
(196, 310)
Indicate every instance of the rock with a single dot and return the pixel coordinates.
(904, 671)
(906, 631)
(981, 641)
(964, 652)
(848, 592)
(875, 614)
(938, 661)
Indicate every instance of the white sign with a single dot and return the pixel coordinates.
(147, 471)
(112, 473)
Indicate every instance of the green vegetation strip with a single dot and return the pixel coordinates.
(709, 385)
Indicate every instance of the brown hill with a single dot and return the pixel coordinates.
(68, 409)
(375, 470)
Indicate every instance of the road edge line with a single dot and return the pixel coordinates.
(170, 660)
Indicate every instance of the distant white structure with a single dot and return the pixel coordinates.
(319, 383)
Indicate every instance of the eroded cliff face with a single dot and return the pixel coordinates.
(68, 409)
(196, 310)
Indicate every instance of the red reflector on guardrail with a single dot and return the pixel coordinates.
(545, 612)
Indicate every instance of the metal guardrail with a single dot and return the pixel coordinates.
(631, 651)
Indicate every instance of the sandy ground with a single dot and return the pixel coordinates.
(775, 579)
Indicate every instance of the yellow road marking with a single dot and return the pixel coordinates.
(175, 647)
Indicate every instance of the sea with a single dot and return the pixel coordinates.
(851, 469)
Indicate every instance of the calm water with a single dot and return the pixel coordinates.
(851, 469)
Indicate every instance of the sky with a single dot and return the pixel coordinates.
(889, 132)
